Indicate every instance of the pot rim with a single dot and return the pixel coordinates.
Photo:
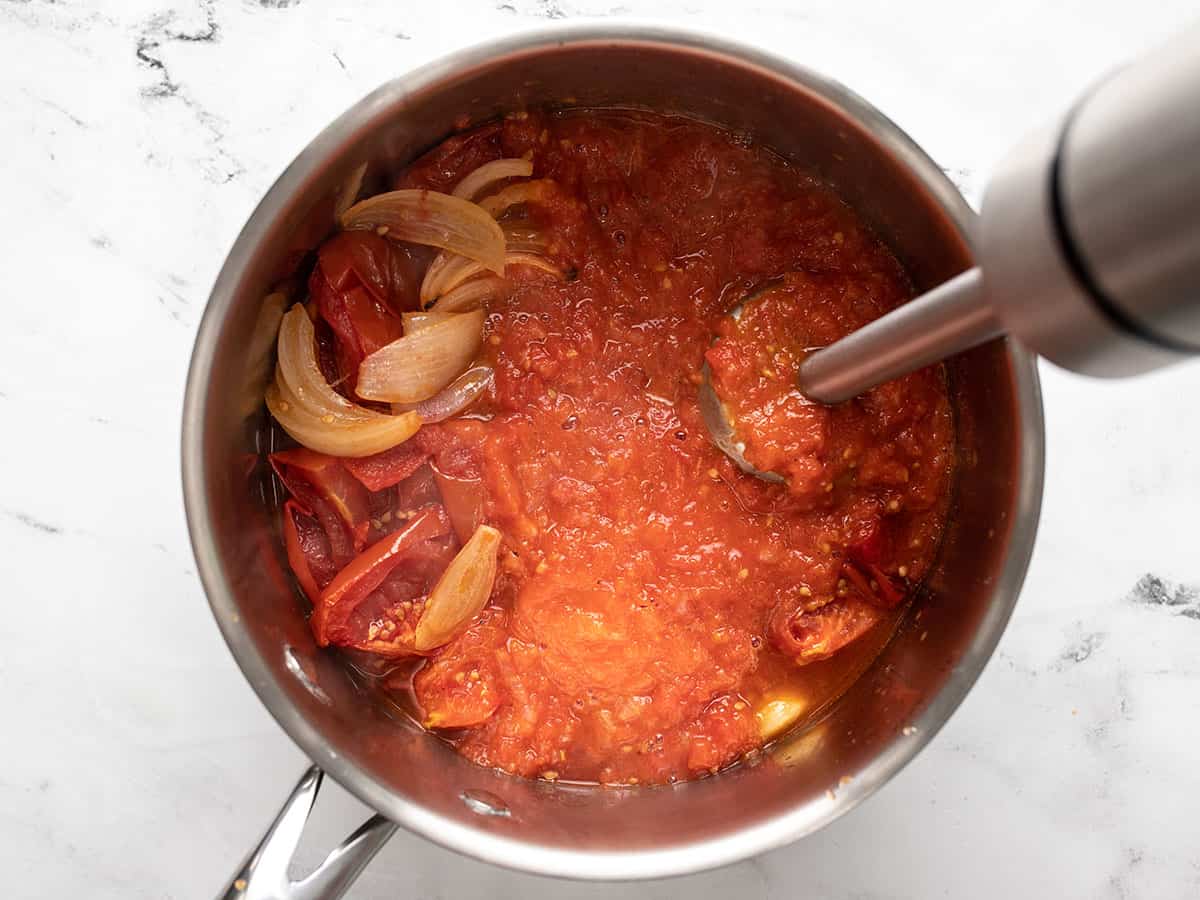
(477, 842)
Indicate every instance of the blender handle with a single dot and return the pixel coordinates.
(264, 874)
(1088, 250)
(1090, 229)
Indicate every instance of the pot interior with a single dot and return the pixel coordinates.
(806, 779)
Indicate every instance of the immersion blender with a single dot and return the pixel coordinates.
(1088, 248)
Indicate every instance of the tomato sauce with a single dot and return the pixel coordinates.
(652, 599)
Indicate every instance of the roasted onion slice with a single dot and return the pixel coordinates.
(435, 219)
(421, 363)
(316, 415)
(457, 396)
(461, 592)
(460, 271)
(470, 294)
(490, 174)
(524, 192)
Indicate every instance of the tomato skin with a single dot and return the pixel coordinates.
(367, 571)
(389, 468)
(360, 284)
(811, 636)
(463, 499)
(315, 480)
(445, 165)
(360, 324)
(386, 270)
(460, 686)
(875, 586)
(385, 622)
(307, 549)
(869, 546)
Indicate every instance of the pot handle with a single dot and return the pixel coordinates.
(264, 874)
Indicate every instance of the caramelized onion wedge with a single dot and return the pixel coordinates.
(524, 240)
(340, 438)
(415, 321)
(435, 219)
(492, 173)
(299, 370)
(461, 592)
(316, 415)
(524, 192)
(445, 273)
(460, 271)
(457, 396)
(516, 258)
(470, 294)
(448, 270)
(420, 364)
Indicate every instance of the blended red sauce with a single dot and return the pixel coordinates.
(651, 596)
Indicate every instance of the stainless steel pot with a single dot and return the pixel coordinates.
(410, 777)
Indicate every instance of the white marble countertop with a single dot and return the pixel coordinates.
(136, 761)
